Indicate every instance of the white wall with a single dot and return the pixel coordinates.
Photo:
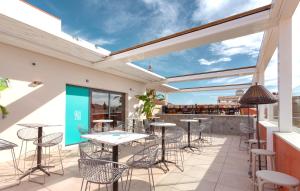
(46, 103)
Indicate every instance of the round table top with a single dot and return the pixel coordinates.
(103, 121)
(189, 120)
(163, 124)
(36, 125)
(201, 118)
(277, 178)
(154, 117)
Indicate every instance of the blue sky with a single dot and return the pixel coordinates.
(118, 24)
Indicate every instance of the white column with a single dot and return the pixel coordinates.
(261, 108)
(285, 75)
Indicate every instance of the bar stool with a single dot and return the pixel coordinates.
(253, 142)
(276, 178)
(26, 135)
(256, 153)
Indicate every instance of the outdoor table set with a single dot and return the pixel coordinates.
(115, 138)
(39, 165)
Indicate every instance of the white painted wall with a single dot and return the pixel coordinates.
(46, 103)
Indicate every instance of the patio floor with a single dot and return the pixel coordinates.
(220, 166)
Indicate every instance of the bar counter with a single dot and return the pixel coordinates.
(221, 124)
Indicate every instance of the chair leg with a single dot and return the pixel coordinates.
(153, 185)
(61, 163)
(24, 162)
(86, 185)
(20, 153)
(130, 177)
(150, 182)
(82, 184)
(15, 164)
(32, 164)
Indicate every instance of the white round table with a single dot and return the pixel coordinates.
(163, 126)
(189, 121)
(103, 121)
(200, 119)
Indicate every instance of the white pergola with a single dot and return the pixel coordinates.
(274, 20)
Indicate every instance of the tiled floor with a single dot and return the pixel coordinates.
(219, 167)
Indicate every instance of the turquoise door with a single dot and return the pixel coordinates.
(77, 113)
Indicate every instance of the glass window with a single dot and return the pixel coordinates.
(107, 105)
(117, 108)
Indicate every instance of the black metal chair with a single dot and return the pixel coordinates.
(26, 135)
(88, 150)
(144, 159)
(46, 142)
(174, 145)
(6, 145)
(96, 171)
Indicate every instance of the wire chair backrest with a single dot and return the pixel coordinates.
(100, 171)
(28, 134)
(174, 133)
(5, 145)
(85, 149)
(146, 157)
(49, 140)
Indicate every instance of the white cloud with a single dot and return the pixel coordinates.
(164, 19)
(210, 10)
(203, 61)
(102, 41)
(232, 80)
(248, 45)
(81, 34)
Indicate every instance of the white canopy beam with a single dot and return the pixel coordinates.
(281, 10)
(214, 88)
(213, 74)
(238, 25)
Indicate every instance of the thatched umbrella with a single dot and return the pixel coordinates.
(256, 95)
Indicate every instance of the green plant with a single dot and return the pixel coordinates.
(149, 101)
(4, 111)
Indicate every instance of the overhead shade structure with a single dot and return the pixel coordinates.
(256, 95)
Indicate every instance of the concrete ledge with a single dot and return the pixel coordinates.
(221, 124)
(292, 138)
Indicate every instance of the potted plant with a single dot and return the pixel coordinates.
(149, 100)
(3, 85)
(3, 111)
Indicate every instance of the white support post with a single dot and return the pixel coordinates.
(285, 75)
(261, 108)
